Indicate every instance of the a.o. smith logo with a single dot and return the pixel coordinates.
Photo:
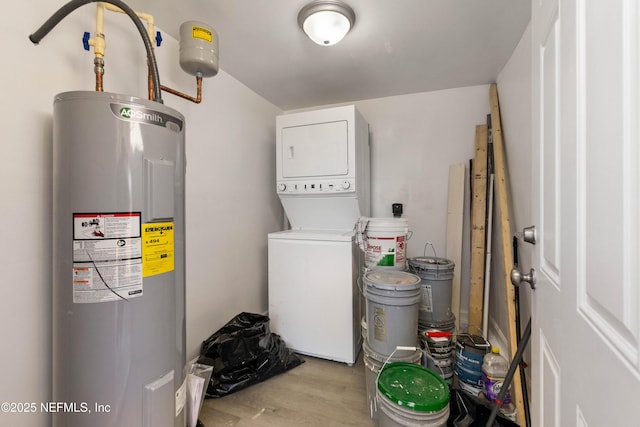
(151, 117)
(130, 113)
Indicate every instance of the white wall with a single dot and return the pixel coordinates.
(514, 91)
(231, 205)
(414, 139)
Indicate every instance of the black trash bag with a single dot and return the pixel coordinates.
(244, 352)
(471, 411)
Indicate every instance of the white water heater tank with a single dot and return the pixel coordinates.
(118, 262)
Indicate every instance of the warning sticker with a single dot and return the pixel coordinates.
(107, 257)
(107, 281)
(106, 226)
(158, 248)
(202, 34)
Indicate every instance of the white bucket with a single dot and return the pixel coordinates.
(385, 241)
(373, 362)
(392, 302)
(411, 395)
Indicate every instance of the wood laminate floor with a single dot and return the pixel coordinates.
(318, 393)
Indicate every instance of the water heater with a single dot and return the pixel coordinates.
(118, 262)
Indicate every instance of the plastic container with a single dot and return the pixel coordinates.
(197, 382)
(437, 277)
(411, 395)
(373, 362)
(494, 371)
(392, 299)
(385, 242)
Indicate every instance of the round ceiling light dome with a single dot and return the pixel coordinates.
(326, 22)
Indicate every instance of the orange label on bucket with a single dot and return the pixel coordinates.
(438, 334)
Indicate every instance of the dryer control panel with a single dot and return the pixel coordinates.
(316, 186)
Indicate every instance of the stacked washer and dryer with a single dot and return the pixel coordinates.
(323, 181)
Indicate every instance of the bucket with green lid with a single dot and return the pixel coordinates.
(411, 395)
(373, 362)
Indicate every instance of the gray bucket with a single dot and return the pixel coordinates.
(392, 302)
(437, 276)
(373, 362)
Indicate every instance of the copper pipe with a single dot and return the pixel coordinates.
(99, 82)
(197, 99)
(98, 68)
(150, 84)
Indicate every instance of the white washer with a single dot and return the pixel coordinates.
(314, 301)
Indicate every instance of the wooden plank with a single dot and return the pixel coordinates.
(502, 198)
(455, 223)
(478, 221)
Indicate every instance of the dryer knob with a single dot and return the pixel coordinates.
(346, 185)
(282, 187)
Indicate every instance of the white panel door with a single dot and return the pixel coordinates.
(586, 317)
(315, 150)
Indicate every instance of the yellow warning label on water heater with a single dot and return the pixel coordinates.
(202, 33)
(157, 248)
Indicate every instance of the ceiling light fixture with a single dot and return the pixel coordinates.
(326, 22)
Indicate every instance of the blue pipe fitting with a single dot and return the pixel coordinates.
(85, 40)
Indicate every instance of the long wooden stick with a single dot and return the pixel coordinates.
(478, 235)
(502, 191)
(455, 221)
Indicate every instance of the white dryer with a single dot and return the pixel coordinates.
(322, 167)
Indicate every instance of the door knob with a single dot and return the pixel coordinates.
(529, 234)
(517, 277)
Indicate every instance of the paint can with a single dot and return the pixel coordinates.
(392, 298)
(373, 362)
(470, 351)
(437, 341)
(410, 395)
(437, 277)
(385, 242)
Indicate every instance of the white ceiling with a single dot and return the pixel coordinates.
(396, 46)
